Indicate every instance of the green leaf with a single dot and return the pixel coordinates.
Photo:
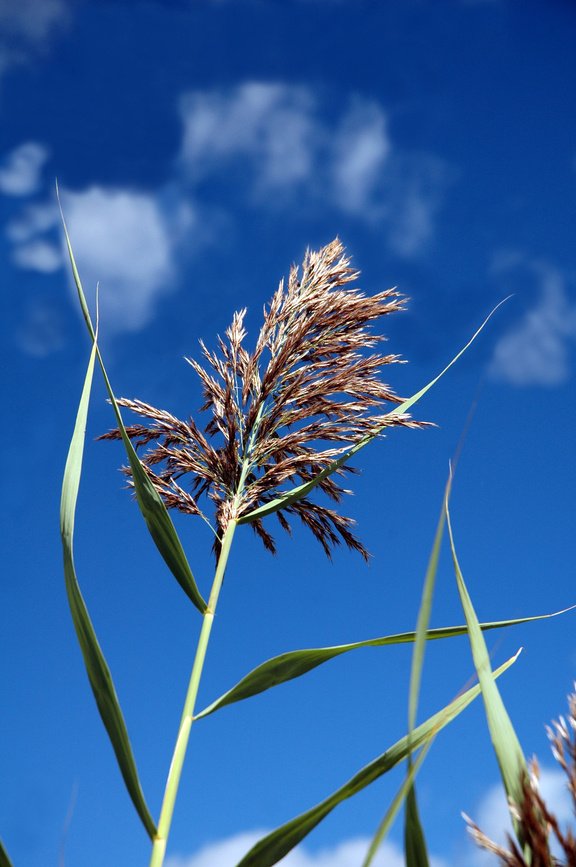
(96, 667)
(4, 859)
(151, 505)
(300, 491)
(422, 633)
(406, 792)
(295, 663)
(415, 849)
(277, 844)
(504, 739)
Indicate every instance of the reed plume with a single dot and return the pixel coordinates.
(283, 412)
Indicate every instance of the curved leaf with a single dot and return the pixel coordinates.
(151, 506)
(96, 667)
(288, 666)
(276, 845)
(302, 490)
(506, 745)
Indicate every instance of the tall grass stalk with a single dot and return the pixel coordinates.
(178, 756)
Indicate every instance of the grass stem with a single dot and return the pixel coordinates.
(173, 780)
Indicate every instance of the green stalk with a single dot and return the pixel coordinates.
(172, 783)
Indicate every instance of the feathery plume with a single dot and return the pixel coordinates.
(282, 413)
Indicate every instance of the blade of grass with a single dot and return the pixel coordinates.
(404, 793)
(151, 506)
(506, 745)
(4, 859)
(300, 491)
(295, 663)
(278, 843)
(96, 666)
(415, 848)
(423, 622)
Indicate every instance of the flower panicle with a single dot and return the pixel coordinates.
(282, 413)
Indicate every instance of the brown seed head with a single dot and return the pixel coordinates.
(280, 414)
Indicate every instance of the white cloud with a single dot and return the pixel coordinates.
(493, 818)
(350, 853)
(32, 221)
(20, 171)
(286, 149)
(35, 246)
(536, 351)
(360, 151)
(414, 191)
(38, 256)
(271, 124)
(274, 144)
(122, 240)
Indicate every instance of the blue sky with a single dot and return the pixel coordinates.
(200, 148)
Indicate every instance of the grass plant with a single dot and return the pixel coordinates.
(283, 421)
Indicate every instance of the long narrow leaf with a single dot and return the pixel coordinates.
(295, 663)
(415, 848)
(504, 739)
(405, 792)
(96, 666)
(4, 859)
(300, 491)
(276, 845)
(424, 613)
(153, 509)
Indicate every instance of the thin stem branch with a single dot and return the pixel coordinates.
(172, 783)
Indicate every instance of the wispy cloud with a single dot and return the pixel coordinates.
(42, 331)
(270, 125)
(32, 21)
(123, 240)
(350, 853)
(20, 170)
(276, 147)
(285, 148)
(360, 151)
(32, 220)
(35, 245)
(38, 255)
(537, 350)
(493, 818)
